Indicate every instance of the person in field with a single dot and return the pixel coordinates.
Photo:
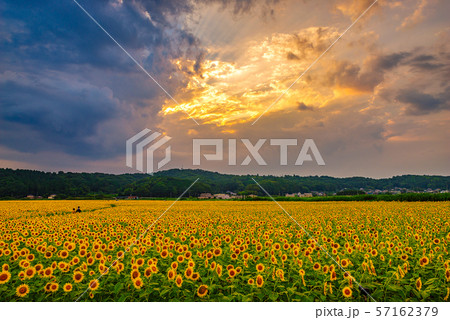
(78, 210)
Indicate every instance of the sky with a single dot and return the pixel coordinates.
(376, 104)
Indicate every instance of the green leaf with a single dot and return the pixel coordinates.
(118, 287)
(273, 296)
(123, 298)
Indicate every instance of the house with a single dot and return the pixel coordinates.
(130, 197)
(290, 195)
(305, 195)
(30, 196)
(52, 196)
(205, 196)
(222, 196)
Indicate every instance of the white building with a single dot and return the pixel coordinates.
(222, 196)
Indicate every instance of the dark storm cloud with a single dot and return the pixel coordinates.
(303, 107)
(62, 77)
(58, 32)
(58, 111)
(245, 6)
(372, 72)
(425, 62)
(292, 56)
(419, 103)
(389, 61)
(350, 75)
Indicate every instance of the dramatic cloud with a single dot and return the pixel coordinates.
(417, 16)
(70, 97)
(421, 103)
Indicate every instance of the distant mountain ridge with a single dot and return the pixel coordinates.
(170, 183)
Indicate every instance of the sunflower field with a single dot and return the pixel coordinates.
(224, 251)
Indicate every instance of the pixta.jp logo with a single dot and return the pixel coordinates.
(137, 144)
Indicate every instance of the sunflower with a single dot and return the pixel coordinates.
(67, 287)
(98, 256)
(260, 267)
(171, 274)
(344, 263)
(22, 290)
(164, 254)
(154, 268)
(419, 284)
(63, 254)
(195, 276)
(30, 272)
(138, 283)
(93, 285)
(347, 292)
(202, 290)
(188, 273)
(21, 275)
(232, 273)
(179, 281)
(54, 287)
(147, 272)
(174, 265)
(259, 281)
(135, 274)
(424, 261)
(24, 264)
(217, 252)
(78, 277)
(4, 277)
(280, 274)
(316, 266)
(47, 287)
(333, 275)
(251, 281)
(48, 272)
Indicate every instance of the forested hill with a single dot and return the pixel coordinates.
(171, 183)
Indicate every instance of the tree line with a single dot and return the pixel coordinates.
(171, 183)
